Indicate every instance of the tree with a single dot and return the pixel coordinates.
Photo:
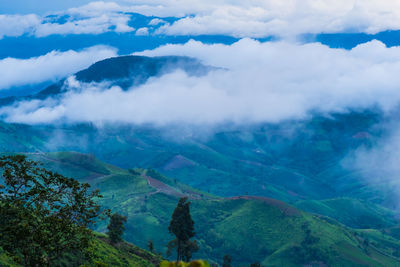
(227, 261)
(43, 215)
(182, 226)
(116, 228)
(150, 245)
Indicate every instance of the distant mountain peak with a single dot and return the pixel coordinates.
(123, 71)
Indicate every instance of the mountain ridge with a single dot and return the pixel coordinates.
(279, 233)
(123, 71)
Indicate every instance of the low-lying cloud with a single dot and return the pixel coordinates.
(379, 165)
(258, 82)
(49, 67)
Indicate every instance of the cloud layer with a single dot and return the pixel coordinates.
(49, 67)
(256, 18)
(253, 18)
(259, 82)
(93, 18)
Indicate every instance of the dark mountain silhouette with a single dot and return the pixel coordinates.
(124, 71)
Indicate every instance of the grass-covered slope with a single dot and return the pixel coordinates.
(351, 212)
(122, 254)
(249, 228)
(291, 161)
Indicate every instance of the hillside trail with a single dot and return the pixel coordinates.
(169, 190)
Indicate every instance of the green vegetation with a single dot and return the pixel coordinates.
(122, 254)
(351, 212)
(251, 228)
(196, 263)
(103, 254)
(227, 261)
(182, 226)
(351, 221)
(6, 260)
(45, 219)
(291, 161)
(116, 228)
(43, 215)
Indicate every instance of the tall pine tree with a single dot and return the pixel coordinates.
(182, 226)
(116, 228)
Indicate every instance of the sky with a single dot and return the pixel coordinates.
(38, 6)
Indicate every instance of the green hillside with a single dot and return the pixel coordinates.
(351, 212)
(104, 254)
(291, 161)
(249, 228)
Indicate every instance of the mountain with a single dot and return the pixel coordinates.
(291, 161)
(299, 162)
(247, 227)
(296, 162)
(123, 71)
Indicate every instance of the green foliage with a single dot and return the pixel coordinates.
(150, 246)
(307, 251)
(352, 212)
(122, 254)
(196, 263)
(6, 260)
(116, 228)
(182, 226)
(252, 229)
(43, 214)
(227, 261)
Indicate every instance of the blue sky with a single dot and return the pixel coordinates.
(32, 28)
(37, 6)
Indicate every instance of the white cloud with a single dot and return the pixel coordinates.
(260, 82)
(52, 66)
(259, 18)
(156, 21)
(94, 25)
(142, 31)
(252, 18)
(95, 8)
(93, 18)
(17, 25)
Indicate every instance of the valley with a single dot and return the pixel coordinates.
(281, 194)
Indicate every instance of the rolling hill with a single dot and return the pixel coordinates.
(298, 162)
(267, 160)
(247, 227)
